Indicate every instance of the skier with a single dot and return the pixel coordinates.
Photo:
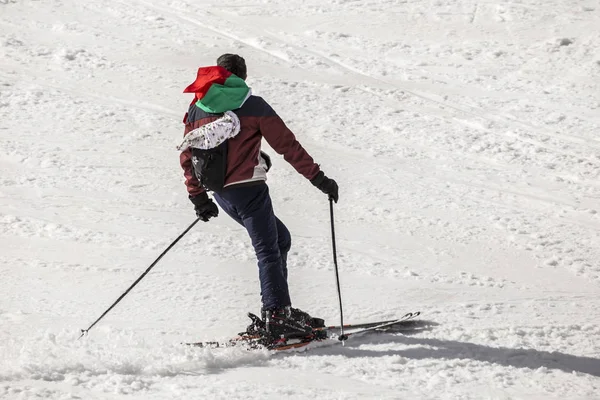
(221, 153)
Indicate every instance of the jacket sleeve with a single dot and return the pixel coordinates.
(284, 142)
(185, 159)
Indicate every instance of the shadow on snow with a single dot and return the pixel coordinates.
(450, 349)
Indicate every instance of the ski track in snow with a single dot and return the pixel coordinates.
(465, 139)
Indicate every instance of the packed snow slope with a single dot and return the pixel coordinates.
(464, 135)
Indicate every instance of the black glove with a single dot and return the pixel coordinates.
(326, 185)
(204, 206)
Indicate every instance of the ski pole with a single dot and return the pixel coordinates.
(342, 337)
(85, 331)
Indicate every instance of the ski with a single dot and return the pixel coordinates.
(405, 317)
(364, 328)
(320, 336)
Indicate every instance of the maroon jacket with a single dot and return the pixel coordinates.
(257, 120)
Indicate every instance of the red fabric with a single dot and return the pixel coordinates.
(205, 78)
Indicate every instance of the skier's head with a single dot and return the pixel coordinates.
(234, 64)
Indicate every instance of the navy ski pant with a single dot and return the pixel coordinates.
(251, 207)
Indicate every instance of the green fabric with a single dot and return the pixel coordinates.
(226, 97)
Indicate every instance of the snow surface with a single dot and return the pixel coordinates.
(465, 136)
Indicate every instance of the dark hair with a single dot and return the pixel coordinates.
(234, 64)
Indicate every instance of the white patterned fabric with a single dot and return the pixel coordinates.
(212, 134)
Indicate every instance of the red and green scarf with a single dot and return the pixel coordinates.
(218, 90)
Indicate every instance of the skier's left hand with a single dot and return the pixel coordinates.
(205, 208)
(326, 185)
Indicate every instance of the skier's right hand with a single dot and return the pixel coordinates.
(326, 185)
(205, 208)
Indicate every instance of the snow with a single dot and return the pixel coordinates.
(465, 137)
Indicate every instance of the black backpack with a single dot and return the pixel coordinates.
(210, 166)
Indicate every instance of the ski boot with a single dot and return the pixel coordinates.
(282, 325)
(277, 326)
(306, 319)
